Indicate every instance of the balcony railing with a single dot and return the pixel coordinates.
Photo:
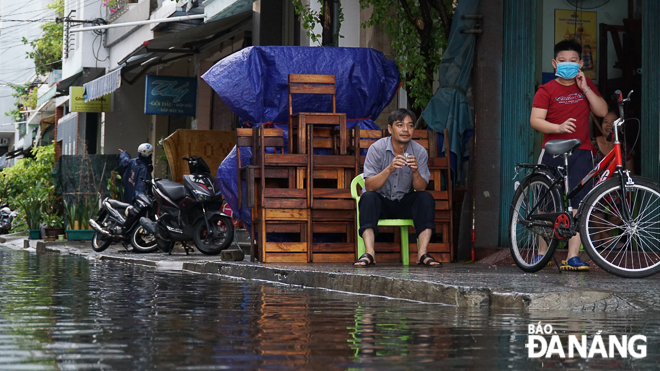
(117, 8)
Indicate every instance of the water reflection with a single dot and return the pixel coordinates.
(64, 312)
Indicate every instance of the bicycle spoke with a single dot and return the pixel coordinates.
(534, 197)
(626, 244)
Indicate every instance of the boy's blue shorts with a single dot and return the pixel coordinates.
(579, 165)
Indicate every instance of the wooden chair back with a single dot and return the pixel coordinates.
(362, 140)
(244, 138)
(311, 84)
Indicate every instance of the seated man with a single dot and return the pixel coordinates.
(396, 167)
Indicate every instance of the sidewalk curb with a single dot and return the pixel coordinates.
(368, 282)
(422, 291)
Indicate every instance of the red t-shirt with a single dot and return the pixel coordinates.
(562, 103)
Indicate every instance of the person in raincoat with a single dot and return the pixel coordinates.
(135, 170)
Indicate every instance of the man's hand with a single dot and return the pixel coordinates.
(581, 81)
(567, 127)
(397, 163)
(120, 150)
(412, 163)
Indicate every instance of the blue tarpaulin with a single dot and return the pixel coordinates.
(449, 107)
(254, 84)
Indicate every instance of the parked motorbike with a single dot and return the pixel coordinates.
(6, 218)
(190, 212)
(119, 222)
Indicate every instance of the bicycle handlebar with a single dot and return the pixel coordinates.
(621, 101)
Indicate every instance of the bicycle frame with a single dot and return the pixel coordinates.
(611, 163)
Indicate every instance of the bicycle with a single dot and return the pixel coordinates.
(542, 213)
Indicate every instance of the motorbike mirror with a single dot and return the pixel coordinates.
(185, 158)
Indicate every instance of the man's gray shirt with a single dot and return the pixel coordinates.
(399, 183)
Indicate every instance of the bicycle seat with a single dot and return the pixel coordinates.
(559, 147)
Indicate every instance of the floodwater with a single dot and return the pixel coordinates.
(68, 313)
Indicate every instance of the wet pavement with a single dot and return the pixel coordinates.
(79, 311)
(456, 284)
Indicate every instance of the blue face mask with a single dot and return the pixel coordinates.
(567, 70)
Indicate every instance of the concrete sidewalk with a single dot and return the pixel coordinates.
(463, 285)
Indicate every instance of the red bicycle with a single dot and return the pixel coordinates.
(618, 220)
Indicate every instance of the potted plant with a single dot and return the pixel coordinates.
(31, 202)
(111, 5)
(54, 225)
(78, 214)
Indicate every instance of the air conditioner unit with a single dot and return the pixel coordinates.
(54, 77)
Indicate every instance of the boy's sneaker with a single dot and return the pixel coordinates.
(574, 264)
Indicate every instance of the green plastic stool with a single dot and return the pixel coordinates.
(403, 223)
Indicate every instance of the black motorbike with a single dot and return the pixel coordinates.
(119, 222)
(6, 218)
(190, 212)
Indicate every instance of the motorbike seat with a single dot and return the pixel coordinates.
(171, 189)
(118, 205)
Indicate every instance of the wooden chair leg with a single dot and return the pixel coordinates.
(253, 247)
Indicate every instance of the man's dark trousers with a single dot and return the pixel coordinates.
(418, 206)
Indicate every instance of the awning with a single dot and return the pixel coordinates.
(103, 85)
(46, 122)
(183, 42)
(219, 9)
(164, 49)
(82, 76)
(20, 152)
(44, 110)
(48, 96)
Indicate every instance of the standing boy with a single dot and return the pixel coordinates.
(561, 111)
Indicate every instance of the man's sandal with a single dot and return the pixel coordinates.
(427, 259)
(366, 258)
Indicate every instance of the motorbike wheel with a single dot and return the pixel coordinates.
(142, 241)
(224, 234)
(99, 241)
(164, 246)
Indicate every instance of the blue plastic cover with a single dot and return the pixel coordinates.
(253, 82)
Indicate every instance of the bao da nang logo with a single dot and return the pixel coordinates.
(582, 346)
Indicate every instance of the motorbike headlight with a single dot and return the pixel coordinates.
(201, 196)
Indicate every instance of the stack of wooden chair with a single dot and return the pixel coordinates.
(300, 199)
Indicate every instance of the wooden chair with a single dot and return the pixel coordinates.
(282, 203)
(440, 186)
(298, 122)
(330, 199)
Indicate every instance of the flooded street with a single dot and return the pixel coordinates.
(69, 313)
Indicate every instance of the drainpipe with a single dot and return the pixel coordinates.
(335, 22)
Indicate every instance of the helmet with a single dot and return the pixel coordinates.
(5, 210)
(145, 149)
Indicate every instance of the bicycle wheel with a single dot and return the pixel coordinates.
(626, 248)
(528, 242)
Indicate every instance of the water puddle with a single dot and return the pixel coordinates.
(66, 312)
